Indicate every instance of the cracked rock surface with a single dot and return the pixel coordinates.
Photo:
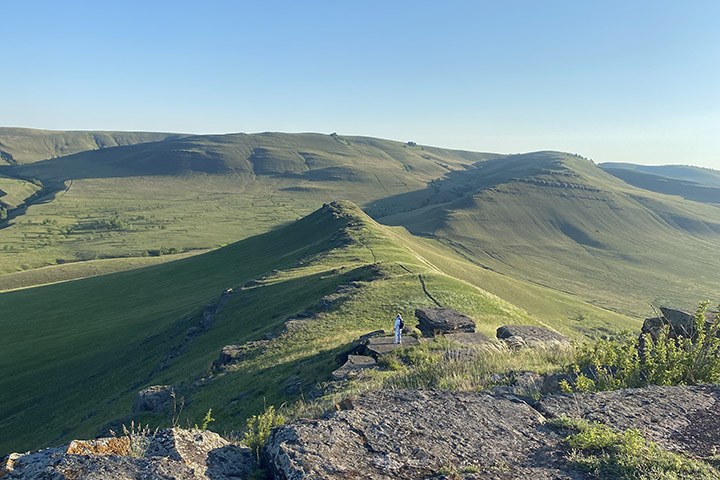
(414, 434)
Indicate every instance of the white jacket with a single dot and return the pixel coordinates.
(397, 324)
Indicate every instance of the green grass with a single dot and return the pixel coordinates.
(559, 221)
(603, 453)
(101, 339)
(13, 191)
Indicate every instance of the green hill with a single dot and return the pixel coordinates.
(200, 192)
(26, 145)
(560, 221)
(74, 354)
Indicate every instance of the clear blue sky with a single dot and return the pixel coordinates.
(634, 81)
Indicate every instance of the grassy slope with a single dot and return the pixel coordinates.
(260, 182)
(101, 339)
(27, 145)
(560, 221)
(14, 191)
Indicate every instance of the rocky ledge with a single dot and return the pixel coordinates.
(401, 434)
(167, 454)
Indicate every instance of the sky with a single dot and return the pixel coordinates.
(615, 81)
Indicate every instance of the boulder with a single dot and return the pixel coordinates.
(680, 323)
(173, 453)
(414, 434)
(683, 419)
(434, 320)
(154, 399)
(378, 346)
(354, 364)
(518, 336)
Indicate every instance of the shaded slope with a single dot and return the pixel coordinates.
(312, 157)
(560, 221)
(26, 145)
(75, 354)
(689, 173)
(690, 190)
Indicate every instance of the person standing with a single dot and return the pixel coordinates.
(399, 325)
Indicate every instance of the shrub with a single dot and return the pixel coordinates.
(618, 363)
(258, 429)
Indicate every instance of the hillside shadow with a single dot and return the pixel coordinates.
(457, 184)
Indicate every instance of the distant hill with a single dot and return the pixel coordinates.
(700, 175)
(693, 183)
(73, 355)
(26, 145)
(549, 217)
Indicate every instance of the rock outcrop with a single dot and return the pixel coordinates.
(679, 323)
(518, 336)
(683, 419)
(169, 454)
(154, 399)
(354, 364)
(414, 434)
(379, 346)
(434, 320)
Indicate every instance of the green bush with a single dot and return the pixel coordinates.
(619, 363)
(258, 429)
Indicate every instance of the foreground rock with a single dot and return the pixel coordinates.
(170, 454)
(354, 364)
(517, 336)
(434, 320)
(682, 419)
(414, 434)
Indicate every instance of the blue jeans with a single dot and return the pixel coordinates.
(398, 335)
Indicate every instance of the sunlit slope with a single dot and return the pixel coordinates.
(26, 145)
(73, 355)
(203, 191)
(560, 221)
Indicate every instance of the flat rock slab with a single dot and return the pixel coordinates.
(413, 434)
(378, 346)
(433, 320)
(469, 339)
(528, 335)
(174, 453)
(682, 419)
(354, 364)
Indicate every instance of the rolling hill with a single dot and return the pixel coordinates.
(692, 183)
(551, 218)
(74, 354)
(560, 221)
(26, 145)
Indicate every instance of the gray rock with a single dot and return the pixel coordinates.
(683, 419)
(679, 323)
(412, 434)
(174, 453)
(469, 339)
(433, 320)
(354, 364)
(155, 399)
(378, 346)
(518, 336)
